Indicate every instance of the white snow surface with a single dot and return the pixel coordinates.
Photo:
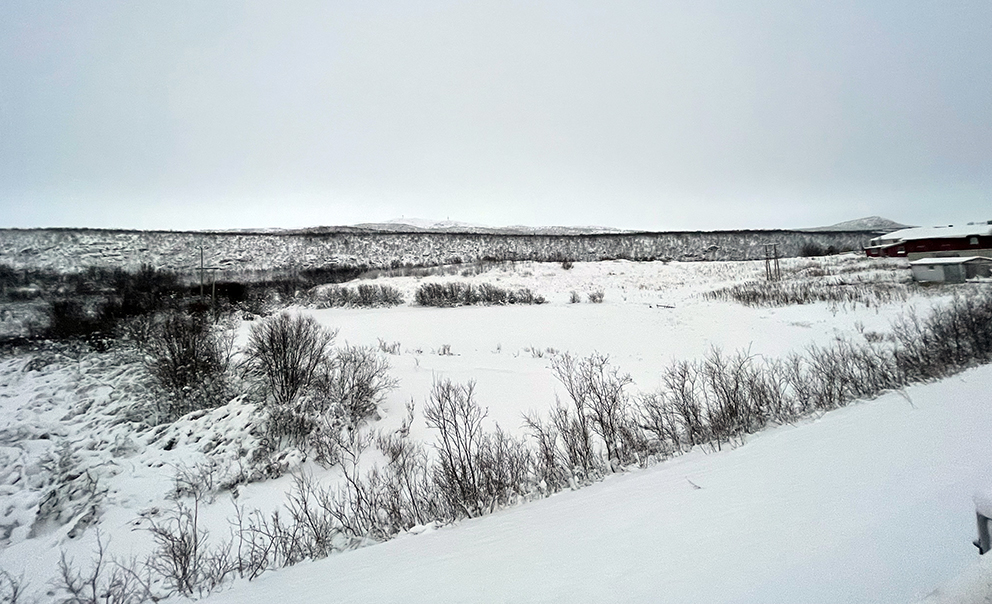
(872, 502)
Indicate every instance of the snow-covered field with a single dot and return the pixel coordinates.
(868, 503)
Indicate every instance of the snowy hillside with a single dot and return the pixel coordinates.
(871, 503)
(869, 223)
(252, 256)
(451, 226)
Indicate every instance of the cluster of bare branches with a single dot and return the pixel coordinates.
(190, 357)
(365, 295)
(310, 391)
(833, 290)
(466, 294)
(721, 398)
(284, 354)
(477, 471)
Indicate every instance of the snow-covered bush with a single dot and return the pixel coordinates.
(71, 494)
(189, 359)
(107, 580)
(834, 290)
(476, 471)
(11, 588)
(357, 382)
(284, 354)
(313, 394)
(188, 564)
(365, 295)
(466, 294)
(598, 392)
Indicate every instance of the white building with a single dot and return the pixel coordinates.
(950, 270)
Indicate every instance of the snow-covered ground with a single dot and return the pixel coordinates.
(868, 503)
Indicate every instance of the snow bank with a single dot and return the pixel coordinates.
(870, 503)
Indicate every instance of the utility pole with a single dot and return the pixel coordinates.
(213, 280)
(772, 270)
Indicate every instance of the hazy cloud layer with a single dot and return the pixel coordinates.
(658, 115)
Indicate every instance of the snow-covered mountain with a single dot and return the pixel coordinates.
(414, 225)
(868, 223)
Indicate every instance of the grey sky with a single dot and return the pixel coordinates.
(655, 115)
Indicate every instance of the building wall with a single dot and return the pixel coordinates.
(914, 249)
(950, 273)
(931, 273)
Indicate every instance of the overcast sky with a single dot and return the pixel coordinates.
(651, 115)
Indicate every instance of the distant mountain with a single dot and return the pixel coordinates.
(416, 225)
(869, 223)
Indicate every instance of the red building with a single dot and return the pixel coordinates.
(972, 239)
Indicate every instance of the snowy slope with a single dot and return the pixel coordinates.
(868, 223)
(871, 503)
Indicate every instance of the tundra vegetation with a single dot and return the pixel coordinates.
(315, 400)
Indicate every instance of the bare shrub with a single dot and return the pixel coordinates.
(506, 465)
(835, 290)
(732, 410)
(658, 418)
(365, 295)
(454, 413)
(949, 339)
(269, 542)
(577, 441)
(108, 581)
(11, 588)
(384, 501)
(183, 557)
(549, 462)
(200, 481)
(409, 497)
(389, 348)
(596, 297)
(190, 361)
(285, 353)
(466, 294)
(598, 391)
(683, 382)
(476, 471)
(357, 382)
(574, 297)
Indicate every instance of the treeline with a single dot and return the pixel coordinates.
(97, 303)
(256, 256)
